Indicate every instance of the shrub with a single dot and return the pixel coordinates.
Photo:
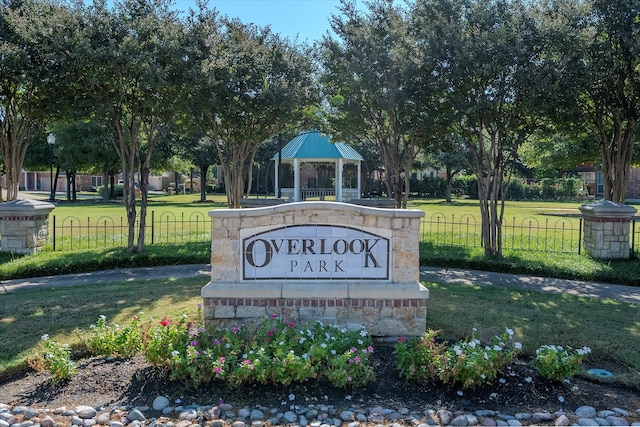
(275, 352)
(56, 359)
(113, 339)
(467, 362)
(556, 362)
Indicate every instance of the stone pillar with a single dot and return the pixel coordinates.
(24, 225)
(606, 229)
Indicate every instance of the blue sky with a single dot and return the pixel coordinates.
(309, 19)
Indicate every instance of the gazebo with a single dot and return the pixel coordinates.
(312, 155)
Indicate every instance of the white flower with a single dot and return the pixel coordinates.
(323, 345)
(44, 337)
(583, 351)
(347, 397)
(497, 347)
(528, 379)
(457, 349)
(560, 399)
(509, 331)
(518, 346)
(302, 339)
(292, 396)
(502, 381)
(363, 333)
(103, 317)
(333, 352)
(360, 342)
(475, 329)
(175, 353)
(472, 344)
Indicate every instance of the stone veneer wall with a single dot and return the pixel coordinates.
(606, 229)
(24, 225)
(391, 307)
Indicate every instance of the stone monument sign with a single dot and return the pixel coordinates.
(339, 263)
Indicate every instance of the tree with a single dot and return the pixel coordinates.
(551, 154)
(133, 62)
(252, 85)
(369, 79)
(453, 157)
(488, 53)
(34, 34)
(597, 54)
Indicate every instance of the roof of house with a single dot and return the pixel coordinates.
(317, 146)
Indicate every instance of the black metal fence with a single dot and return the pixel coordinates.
(551, 234)
(71, 232)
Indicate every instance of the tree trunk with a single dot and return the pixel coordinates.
(203, 182)
(616, 147)
(448, 184)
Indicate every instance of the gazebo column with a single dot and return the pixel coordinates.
(359, 181)
(296, 180)
(339, 180)
(276, 179)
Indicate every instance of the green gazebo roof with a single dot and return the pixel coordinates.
(317, 146)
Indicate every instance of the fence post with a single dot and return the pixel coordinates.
(633, 237)
(153, 226)
(580, 237)
(54, 233)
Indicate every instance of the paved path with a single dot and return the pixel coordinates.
(628, 294)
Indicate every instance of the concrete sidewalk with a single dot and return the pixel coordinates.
(628, 294)
(107, 276)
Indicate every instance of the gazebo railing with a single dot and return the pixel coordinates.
(326, 194)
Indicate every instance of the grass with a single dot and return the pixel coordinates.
(611, 329)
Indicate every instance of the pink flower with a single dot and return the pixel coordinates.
(222, 360)
(402, 339)
(217, 370)
(165, 321)
(270, 333)
(291, 325)
(357, 359)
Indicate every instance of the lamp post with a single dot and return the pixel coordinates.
(51, 140)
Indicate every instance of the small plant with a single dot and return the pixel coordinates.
(467, 362)
(470, 364)
(55, 359)
(420, 360)
(114, 340)
(556, 362)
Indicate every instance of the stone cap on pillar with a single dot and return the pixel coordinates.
(607, 209)
(26, 207)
